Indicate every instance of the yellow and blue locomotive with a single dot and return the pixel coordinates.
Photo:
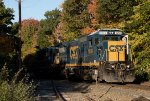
(103, 55)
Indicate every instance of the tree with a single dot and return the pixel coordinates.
(139, 28)
(115, 10)
(93, 24)
(29, 35)
(9, 44)
(75, 16)
(49, 24)
(6, 15)
(47, 28)
(15, 28)
(42, 40)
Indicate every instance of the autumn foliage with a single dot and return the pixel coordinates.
(87, 30)
(92, 9)
(29, 32)
(30, 22)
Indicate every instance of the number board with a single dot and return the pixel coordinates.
(110, 32)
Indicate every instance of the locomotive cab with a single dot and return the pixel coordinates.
(115, 48)
(115, 63)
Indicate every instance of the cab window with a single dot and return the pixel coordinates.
(90, 43)
(112, 38)
(97, 41)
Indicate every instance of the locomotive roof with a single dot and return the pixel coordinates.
(108, 32)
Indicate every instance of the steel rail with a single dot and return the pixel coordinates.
(57, 92)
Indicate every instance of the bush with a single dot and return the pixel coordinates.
(15, 91)
(11, 62)
(141, 75)
(12, 91)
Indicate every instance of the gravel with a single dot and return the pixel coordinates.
(83, 91)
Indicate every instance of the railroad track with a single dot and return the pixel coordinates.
(57, 92)
(47, 90)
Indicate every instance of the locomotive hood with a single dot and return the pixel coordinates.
(114, 50)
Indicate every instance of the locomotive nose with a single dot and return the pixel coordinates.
(116, 51)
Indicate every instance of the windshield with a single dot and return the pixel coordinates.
(112, 38)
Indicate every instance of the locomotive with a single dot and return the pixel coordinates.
(103, 55)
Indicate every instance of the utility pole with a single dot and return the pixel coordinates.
(19, 7)
(20, 42)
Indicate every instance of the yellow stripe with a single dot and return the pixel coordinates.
(83, 64)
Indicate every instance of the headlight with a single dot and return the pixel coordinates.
(112, 66)
(128, 66)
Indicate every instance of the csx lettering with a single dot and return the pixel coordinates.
(115, 48)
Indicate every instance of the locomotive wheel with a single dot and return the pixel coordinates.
(70, 74)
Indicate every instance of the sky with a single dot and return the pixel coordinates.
(33, 8)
